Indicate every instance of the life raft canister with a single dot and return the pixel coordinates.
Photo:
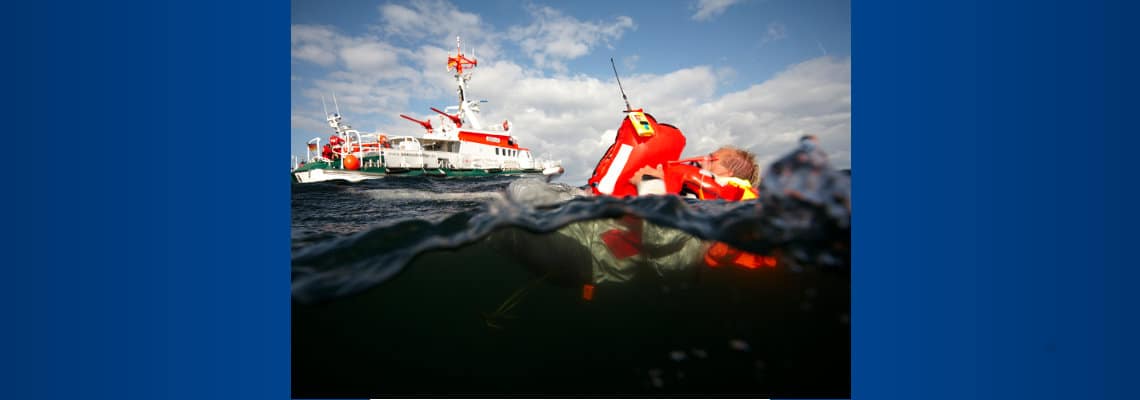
(640, 142)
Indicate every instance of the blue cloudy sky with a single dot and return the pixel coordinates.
(754, 73)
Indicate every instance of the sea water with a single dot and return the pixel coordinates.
(400, 288)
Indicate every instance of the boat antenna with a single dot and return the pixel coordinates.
(627, 107)
(335, 104)
(324, 107)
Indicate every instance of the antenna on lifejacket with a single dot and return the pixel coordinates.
(627, 107)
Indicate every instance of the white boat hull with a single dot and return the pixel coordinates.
(321, 175)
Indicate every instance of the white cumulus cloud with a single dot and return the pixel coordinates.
(428, 18)
(552, 38)
(575, 118)
(554, 112)
(315, 44)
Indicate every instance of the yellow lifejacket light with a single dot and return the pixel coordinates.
(640, 123)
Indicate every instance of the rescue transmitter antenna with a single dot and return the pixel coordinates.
(627, 107)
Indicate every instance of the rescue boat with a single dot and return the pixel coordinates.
(462, 145)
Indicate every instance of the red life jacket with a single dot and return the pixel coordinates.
(640, 142)
(683, 178)
(721, 254)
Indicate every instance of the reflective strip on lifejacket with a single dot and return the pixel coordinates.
(607, 183)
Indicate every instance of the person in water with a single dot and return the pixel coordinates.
(603, 251)
(729, 166)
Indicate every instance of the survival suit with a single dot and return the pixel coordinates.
(684, 179)
(642, 141)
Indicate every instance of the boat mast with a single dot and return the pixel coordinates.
(334, 119)
(468, 110)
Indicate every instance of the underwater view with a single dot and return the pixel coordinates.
(511, 285)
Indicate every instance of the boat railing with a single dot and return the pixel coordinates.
(313, 147)
(349, 147)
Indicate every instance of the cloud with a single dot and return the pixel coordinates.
(428, 18)
(315, 44)
(369, 56)
(813, 97)
(364, 72)
(630, 62)
(574, 118)
(571, 117)
(552, 38)
(776, 31)
(707, 9)
(307, 122)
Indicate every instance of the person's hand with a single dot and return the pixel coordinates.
(657, 172)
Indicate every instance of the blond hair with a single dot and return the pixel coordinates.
(741, 162)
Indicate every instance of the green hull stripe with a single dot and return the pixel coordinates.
(440, 172)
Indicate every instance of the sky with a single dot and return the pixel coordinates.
(757, 74)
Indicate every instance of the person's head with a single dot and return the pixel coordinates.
(734, 162)
(809, 142)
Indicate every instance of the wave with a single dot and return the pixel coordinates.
(803, 212)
